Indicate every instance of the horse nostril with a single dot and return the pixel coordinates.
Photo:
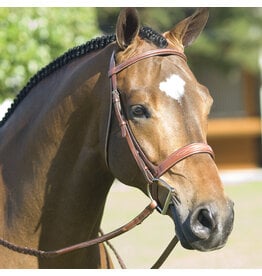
(202, 223)
(205, 218)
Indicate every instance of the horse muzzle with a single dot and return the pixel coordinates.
(205, 228)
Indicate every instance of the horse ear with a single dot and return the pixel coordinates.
(127, 27)
(187, 30)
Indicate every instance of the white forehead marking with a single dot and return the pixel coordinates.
(174, 87)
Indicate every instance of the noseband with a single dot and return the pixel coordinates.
(151, 172)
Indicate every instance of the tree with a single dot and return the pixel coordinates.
(32, 37)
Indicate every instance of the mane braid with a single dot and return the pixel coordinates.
(145, 33)
(70, 55)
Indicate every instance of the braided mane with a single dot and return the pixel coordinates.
(76, 52)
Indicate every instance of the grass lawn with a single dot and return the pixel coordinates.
(141, 247)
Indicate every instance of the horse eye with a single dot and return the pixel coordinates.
(139, 111)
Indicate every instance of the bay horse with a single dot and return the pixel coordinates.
(62, 145)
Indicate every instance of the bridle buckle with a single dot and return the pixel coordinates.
(170, 190)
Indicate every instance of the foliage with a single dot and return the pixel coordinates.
(33, 37)
(232, 37)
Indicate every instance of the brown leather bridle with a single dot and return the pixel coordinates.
(151, 172)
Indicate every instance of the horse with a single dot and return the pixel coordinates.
(62, 144)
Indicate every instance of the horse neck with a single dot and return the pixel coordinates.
(54, 142)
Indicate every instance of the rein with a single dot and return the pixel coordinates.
(151, 172)
(55, 253)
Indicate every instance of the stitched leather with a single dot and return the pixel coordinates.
(158, 52)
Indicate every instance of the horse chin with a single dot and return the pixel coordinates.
(178, 228)
(187, 239)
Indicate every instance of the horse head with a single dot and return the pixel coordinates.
(166, 109)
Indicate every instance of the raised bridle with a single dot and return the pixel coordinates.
(151, 172)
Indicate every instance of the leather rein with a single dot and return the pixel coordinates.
(151, 172)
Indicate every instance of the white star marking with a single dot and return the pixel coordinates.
(174, 87)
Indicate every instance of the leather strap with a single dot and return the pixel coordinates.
(180, 154)
(52, 254)
(165, 253)
(127, 134)
(157, 52)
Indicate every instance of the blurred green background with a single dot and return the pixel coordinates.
(30, 38)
